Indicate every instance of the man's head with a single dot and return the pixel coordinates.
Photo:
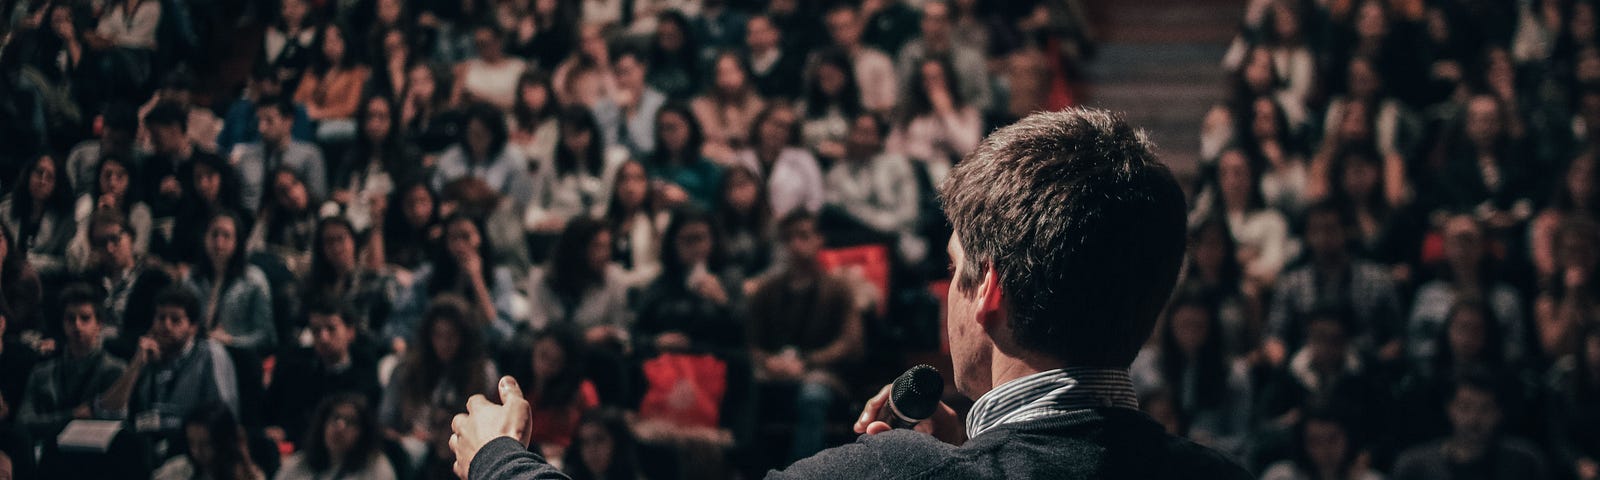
(274, 119)
(331, 330)
(80, 318)
(1327, 225)
(760, 34)
(844, 25)
(1474, 408)
(112, 241)
(1068, 239)
(867, 132)
(168, 123)
(798, 231)
(177, 317)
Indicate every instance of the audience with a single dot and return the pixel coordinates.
(344, 443)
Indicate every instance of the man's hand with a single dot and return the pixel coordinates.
(485, 421)
(943, 425)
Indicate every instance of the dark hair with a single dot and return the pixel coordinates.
(323, 275)
(229, 195)
(120, 116)
(282, 105)
(615, 216)
(79, 293)
(525, 117)
(22, 201)
(423, 369)
(400, 239)
(236, 264)
(102, 218)
(1340, 211)
(442, 82)
(180, 296)
(447, 271)
(167, 113)
(368, 444)
(917, 103)
(1326, 414)
(561, 391)
(1365, 154)
(1493, 355)
(1074, 213)
(817, 103)
(492, 119)
(392, 145)
(1232, 272)
(332, 307)
(1242, 94)
(591, 160)
(1252, 160)
(229, 460)
(132, 195)
(1210, 387)
(662, 158)
(766, 114)
(793, 219)
(673, 267)
(624, 448)
(320, 63)
(759, 218)
(570, 274)
(687, 56)
(714, 93)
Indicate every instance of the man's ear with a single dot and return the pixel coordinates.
(990, 300)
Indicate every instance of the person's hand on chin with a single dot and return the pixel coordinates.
(485, 421)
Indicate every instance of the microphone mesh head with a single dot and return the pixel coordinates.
(917, 392)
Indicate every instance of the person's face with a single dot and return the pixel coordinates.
(221, 240)
(446, 341)
(1234, 177)
(1326, 234)
(1326, 444)
(1284, 21)
(775, 130)
(1327, 343)
(630, 73)
(599, 253)
(1483, 120)
(1265, 122)
(1258, 71)
(394, 46)
(864, 140)
(42, 182)
(378, 121)
(200, 446)
(535, 96)
(934, 78)
(760, 35)
(479, 139)
(546, 7)
(1474, 414)
(113, 247)
(333, 47)
(674, 131)
(81, 325)
(339, 246)
(294, 11)
(1468, 333)
(462, 239)
(172, 328)
(730, 77)
(969, 343)
(1360, 178)
(330, 335)
(1364, 81)
(548, 359)
(844, 28)
(114, 179)
(488, 46)
(597, 447)
(1191, 325)
(291, 192)
(694, 243)
(272, 124)
(742, 193)
(669, 36)
(1370, 21)
(208, 183)
(389, 12)
(420, 81)
(1463, 241)
(592, 41)
(576, 139)
(419, 206)
(935, 20)
(342, 430)
(830, 79)
(802, 240)
(632, 185)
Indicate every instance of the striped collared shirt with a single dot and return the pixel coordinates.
(1050, 393)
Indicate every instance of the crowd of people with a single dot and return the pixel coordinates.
(290, 238)
(1393, 236)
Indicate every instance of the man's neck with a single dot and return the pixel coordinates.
(337, 362)
(79, 352)
(275, 145)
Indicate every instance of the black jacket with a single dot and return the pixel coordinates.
(1088, 444)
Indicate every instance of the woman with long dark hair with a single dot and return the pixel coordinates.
(483, 151)
(1233, 191)
(286, 228)
(1324, 448)
(744, 221)
(635, 219)
(582, 287)
(331, 88)
(674, 57)
(534, 129)
(343, 443)
(1211, 389)
(410, 226)
(1576, 196)
(727, 107)
(1468, 271)
(604, 449)
(379, 160)
(576, 181)
(113, 190)
(554, 380)
(678, 159)
(209, 185)
(938, 126)
(1214, 270)
(345, 274)
(693, 305)
(461, 265)
(543, 31)
(427, 114)
(38, 215)
(832, 98)
(217, 449)
(444, 365)
(235, 301)
(792, 174)
(290, 43)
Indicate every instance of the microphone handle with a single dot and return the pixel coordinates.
(891, 415)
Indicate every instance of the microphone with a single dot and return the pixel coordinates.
(915, 396)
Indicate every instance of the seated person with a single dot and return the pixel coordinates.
(278, 149)
(174, 372)
(1335, 276)
(127, 284)
(344, 443)
(303, 378)
(805, 328)
(875, 192)
(64, 388)
(217, 448)
(1476, 443)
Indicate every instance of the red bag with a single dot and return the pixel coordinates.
(685, 389)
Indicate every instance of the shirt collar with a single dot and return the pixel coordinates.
(1051, 392)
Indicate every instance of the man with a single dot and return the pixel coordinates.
(1476, 447)
(1068, 238)
(175, 371)
(65, 388)
(125, 282)
(277, 149)
(805, 331)
(774, 72)
(171, 150)
(874, 70)
(971, 71)
(240, 124)
(628, 117)
(303, 379)
(1336, 278)
(118, 126)
(875, 192)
